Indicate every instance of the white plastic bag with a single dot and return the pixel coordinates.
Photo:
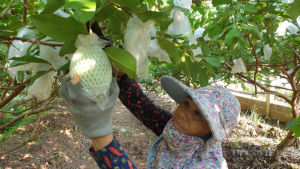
(267, 52)
(137, 42)
(298, 21)
(41, 88)
(19, 49)
(281, 30)
(287, 1)
(51, 55)
(181, 23)
(238, 66)
(61, 13)
(156, 51)
(199, 32)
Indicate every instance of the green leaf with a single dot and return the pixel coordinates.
(17, 63)
(16, 25)
(132, 4)
(36, 76)
(57, 27)
(17, 3)
(249, 8)
(205, 49)
(85, 8)
(294, 10)
(3, 74)
(117, 22)
(20, 76)
(170, 48)
(68, 47)
(291, 124)
(156, 16)
(123, 60)
(203, 79)
(64, 67)
(234, 32)
(3, 49)
(191, 68)
(214, 31)
(28, 58)
(214, 61)
(252, 28)
(52, 6)
(209, 68)
(104, 11)
(185, 11)
(296, 130)
(8, 32)
(220, 2)
(29, 36)
(164, 24)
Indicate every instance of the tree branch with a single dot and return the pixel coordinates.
(267, 65)
(7, 88)
(256, 62)
(5, 91)
(29, 40)
(7, 9)
(22, 102)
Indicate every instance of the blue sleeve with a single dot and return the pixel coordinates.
(111, 156)
(132, 96)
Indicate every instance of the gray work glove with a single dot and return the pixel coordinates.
(91, 120)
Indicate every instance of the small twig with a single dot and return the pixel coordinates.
(29, 40)
(273, 65)
(7, 9)
(6, 42)
(20, 146)
(256, 62)
(25, 12)
(6, 90)
(24, 101)
(37, 123)
(122, 9)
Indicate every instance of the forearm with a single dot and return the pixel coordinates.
(100, 142)
(111, 155)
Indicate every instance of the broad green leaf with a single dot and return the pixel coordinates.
(292, 124)
(123, 60)
(203, 79)
(170, 48)
(294, 10)
(191, 68)
(131, 4)
(296, 130)
(234, 32)
(2, 74)
(164, 24)
(153, 15)
(52, 6)
(64, 67)
(17, 63)
(57, 27)
(3, 49)
(68, 47)
(214, 61)
(104, 11)
(36, 76)
(16, 25)
(214, 31)
(20, 76)
(249, 8)
(205, 49)
(17, 3)
(29, 36)
(117, 21)
(185, 11)
(209, 68)
(252, 28)
(220, 2)
(29, 58)
(85, 8)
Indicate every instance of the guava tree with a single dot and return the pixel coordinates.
(234, 29)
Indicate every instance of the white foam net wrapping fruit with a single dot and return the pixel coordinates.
(137, 42)
(41, 88)
(19, 49)
(94, 68)
(238, 66)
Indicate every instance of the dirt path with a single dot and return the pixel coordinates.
(61, 145)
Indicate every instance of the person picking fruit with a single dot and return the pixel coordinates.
(189, 138)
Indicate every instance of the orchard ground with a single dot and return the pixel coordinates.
(62, 146)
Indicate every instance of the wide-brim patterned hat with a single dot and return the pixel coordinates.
(219, 107)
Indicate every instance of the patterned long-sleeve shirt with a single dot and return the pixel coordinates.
(152, 116)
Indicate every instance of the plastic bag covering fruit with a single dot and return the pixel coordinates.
(298, 21)
(155, 50)
(281, 30)
(94, 68)
(198, 34)
(137, 42)
(267, 52)
(238, 66)
(51, 55)
(19, 49)
(181, 23)
(61, 13)
(41, 88)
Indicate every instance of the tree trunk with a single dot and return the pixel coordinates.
(290, 138)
